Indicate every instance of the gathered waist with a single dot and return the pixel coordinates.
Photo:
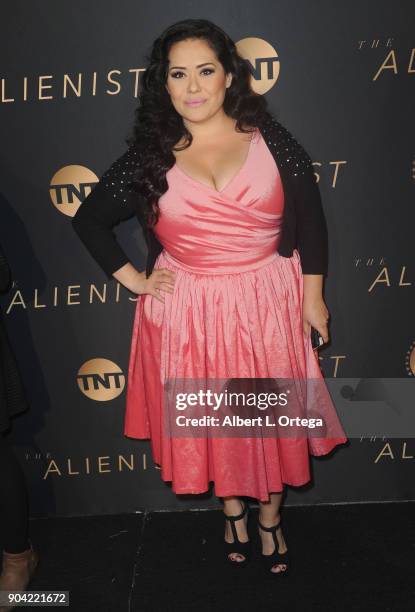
(235, 268)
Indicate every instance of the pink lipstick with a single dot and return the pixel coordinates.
(195, 102)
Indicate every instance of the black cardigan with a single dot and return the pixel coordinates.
(303, 226)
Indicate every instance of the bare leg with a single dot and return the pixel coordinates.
(233, 506)
(269, 515)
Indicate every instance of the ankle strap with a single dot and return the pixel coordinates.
(239, 516)
(269, 528)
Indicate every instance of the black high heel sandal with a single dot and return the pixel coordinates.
(275, 558)
(243, 548)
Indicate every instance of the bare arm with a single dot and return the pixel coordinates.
(135, 281)
(130, 277)
(315, 311)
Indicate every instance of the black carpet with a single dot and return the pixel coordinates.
(357, 557)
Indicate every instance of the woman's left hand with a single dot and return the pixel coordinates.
(316, 314)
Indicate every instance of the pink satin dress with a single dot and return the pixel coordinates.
(235, 312)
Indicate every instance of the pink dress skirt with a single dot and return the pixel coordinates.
(236, 311)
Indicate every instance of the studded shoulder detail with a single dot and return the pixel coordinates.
(115, 180)
(289, 152)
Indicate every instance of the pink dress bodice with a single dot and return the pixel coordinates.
(232, 230)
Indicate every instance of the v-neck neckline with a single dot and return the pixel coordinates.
(238, 173)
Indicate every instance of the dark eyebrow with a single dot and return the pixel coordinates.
(184, 67)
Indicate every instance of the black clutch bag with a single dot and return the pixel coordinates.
(316, 339)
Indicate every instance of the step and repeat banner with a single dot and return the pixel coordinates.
(342, 81)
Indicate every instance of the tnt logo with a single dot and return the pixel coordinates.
(70, 186)
(101, 380)
(263, 62)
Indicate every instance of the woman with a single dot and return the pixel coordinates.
(19, 558)
(223, 293)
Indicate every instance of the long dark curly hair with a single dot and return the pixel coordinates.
(158, 126)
